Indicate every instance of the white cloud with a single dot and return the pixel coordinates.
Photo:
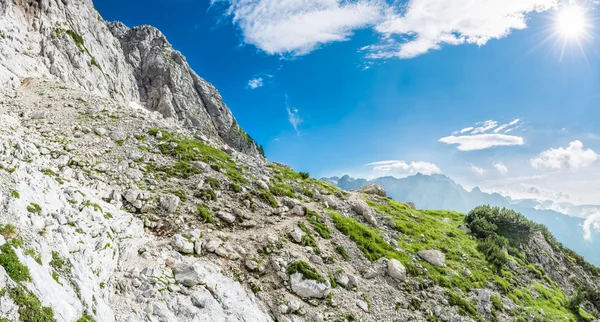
(482, 141)
(299, 26)
(407, 28)
(477, 169)
(256, 83)
(479, 137)
(501, 168)
(401, 169)
(571, 157)
(431, 23)
(504, 126)
(294, 118)
(592, 222)
(487, 125)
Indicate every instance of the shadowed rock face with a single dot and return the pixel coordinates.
(68, 40)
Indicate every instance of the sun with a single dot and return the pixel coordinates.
(572, 22)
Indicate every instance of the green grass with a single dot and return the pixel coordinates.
(14, 268)
(31, 252)
(342, 251)
(306, 270)
(267, 197)
(318, 223)
(30, 307)
(59, 263)
(464, 307)
(307, 239)
(96, 206)
(179, 193)
(213, 183)
(282, 190)
(204, 213)
(8, 231)
(34, 208)
(186, 150)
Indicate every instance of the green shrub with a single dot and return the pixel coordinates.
(493, 253)
(204, 213)
(15, 194)
(8, 231)
(306, 270)
(235, 187)
(86, 318)
(60, 264)
(304, 175)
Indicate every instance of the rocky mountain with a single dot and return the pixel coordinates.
(68, 40)
(440, 192)
(129, 193)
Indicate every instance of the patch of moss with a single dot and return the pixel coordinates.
(15, 194)
(341, 250)
(306, 270)
(464, 307)
(30, 307)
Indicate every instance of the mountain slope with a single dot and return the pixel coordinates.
(114, 211)
(440, 192)
(69, 41)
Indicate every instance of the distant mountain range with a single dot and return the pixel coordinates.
(564, 220)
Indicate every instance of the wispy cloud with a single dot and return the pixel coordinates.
(294, 118)
(572, 157)
(256, 83)
(400, 168)
(477, 169)
(406, 29)
(504, 126)
(478, 137)
(501, 168)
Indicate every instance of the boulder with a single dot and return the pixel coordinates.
(433, 257)
(308, 288)
(396, 270)
(373, 189)
(186, 275)
(226, 217)
(181, 244)
(169, 203)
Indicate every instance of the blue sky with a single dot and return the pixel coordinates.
(331, 86)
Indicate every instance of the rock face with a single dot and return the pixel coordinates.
(68, 40)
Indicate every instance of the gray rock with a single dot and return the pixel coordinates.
(226, 217)
(373, 189)
(181, 244)
(39, 115)
(433, 257)
(100, 131)
(396, 270)
(308, 288)
(297, 234)
(186, 275)
(169, 203)
(297, 211)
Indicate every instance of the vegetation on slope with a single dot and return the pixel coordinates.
(484, 257)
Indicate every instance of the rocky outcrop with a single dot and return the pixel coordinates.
(70, 41)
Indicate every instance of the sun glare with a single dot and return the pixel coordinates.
(571, 22)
